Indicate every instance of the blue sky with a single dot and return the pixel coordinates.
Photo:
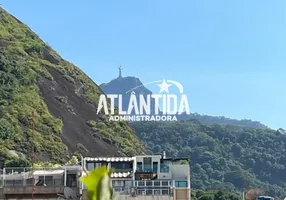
(230, 56)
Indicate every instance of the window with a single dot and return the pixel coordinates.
(45, 180)
(165, 183)
(122, 165)
(118, 183)
(139, 166)
(181, 183)
(97, 165)
(157, 183)
(164, 168)
(147, 164)
(128, 184)
(155, 167)
(90, 166)
(71, 180)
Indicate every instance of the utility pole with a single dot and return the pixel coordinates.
(245, 185)
(33, 153)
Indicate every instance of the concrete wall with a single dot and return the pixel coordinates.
(165, 176)
(182, 194)
(180, 172)
(128, 197)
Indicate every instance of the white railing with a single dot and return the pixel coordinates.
(156, 183)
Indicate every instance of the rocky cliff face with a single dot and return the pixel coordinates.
(50, 104)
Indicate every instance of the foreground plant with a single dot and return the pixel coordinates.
(98, 184)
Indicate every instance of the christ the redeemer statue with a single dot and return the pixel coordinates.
(120, 71)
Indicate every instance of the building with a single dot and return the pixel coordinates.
(146, 175)
(28, 183)
(138, 177)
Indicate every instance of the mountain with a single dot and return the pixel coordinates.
(125, 85)
(49, 105)
(221, 120)
(232, 157)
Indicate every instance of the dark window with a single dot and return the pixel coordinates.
(71, 180)
(139, 166)
(121, 165)
(45, 180)
(164, 168)
(155, 167)
(147, 164)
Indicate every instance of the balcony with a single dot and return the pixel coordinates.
(122, 170)
(147, 170)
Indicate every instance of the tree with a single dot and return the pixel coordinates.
(184, 162)
(199, 194)
(254, 193)
(220, 196)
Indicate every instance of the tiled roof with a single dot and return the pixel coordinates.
(111, 159)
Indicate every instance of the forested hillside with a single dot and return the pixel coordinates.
(221, 120)
(48, 105)
(222, 156)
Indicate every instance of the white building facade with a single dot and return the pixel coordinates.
(146, 175)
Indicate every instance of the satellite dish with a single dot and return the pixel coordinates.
(69, 194)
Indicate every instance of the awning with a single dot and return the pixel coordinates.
(121, 175)
(111, 159)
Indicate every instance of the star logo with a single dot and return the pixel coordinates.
(164, 86)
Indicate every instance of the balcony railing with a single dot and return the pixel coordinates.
(153, 192)
(144, 192)
(147, 170)
(30, 182)
(153, 183)
(164, 168)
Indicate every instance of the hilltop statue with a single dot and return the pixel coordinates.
(120, 72)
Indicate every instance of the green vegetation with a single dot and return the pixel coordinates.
(73, 161)
(123, 138)
(25, 121)
(232, 157)
(214, 195)
(97, 184)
